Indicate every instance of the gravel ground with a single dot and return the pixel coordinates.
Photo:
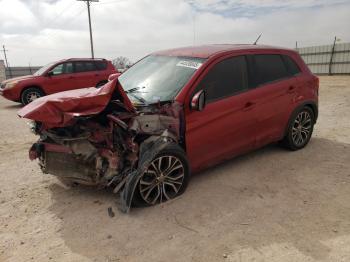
(268, 205)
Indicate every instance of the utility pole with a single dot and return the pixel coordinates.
(331, 60)
(7, 64)
(91, 41)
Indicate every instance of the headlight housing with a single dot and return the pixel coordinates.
(34, 126)
(11, 84)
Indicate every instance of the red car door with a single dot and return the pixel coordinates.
(225, 127)
(273, 94)
(60, 78)
(86, 74)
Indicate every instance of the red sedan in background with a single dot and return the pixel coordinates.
(59, 76)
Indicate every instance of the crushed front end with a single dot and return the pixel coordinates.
(99, 138)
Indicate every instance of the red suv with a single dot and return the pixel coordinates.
(173, 113)
(56, 77)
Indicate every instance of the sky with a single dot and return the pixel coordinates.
(37, 32)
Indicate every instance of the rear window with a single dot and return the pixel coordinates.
(101, 65)
(293, 68)
(269, 68)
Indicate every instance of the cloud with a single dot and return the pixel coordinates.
(42, 31)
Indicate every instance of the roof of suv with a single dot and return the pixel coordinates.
(81, 59)
(205, 51)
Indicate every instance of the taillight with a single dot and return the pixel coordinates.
(316, 83)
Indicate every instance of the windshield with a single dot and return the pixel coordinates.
(43, 69)
(158, 78)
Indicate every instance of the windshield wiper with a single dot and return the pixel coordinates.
(131, 92)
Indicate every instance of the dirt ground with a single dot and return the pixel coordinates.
(269, 205)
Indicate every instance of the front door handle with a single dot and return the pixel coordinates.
(249, 105)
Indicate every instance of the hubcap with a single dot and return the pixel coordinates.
(32, 96)
(301, 128)
(162, 180)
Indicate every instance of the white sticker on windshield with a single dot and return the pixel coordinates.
(190, 64)
(156, 98)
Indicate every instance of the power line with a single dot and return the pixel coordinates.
(53, 20)
(88, 7)
(112, 2)
(75, 16)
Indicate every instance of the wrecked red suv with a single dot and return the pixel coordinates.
(56, 77)
(173, 113)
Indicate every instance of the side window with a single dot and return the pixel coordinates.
(293, 68)
(65, 68)
(90, 66)
(68, 68)
(58, 70)
(226, 78)
(269, 68)
(79, 67)
(101, 65)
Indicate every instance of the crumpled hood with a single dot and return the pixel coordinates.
(59, 109)
(18, 79)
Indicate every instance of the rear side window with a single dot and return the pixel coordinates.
(79, 67)
(68, 68)
(84, 66)
(293, 68)
(90, 66)
(101, 65)
(269, 68)
(226, 78)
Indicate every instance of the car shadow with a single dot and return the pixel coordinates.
(267, 197)
(13, 106)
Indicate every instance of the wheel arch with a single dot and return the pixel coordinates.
(32, 86)
(310, 104)
(102, 82)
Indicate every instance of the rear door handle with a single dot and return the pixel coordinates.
(291, 89)
(249, 105)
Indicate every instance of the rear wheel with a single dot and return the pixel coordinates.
(166, 177)
(30, 94)
(300, 129)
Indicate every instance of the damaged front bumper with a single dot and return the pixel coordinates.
(60, 161)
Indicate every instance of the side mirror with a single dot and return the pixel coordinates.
(49, 74)
(198, 101)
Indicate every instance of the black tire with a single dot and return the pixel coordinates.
(300, 128)
(173, 151)
(100, 84)
(30, 94)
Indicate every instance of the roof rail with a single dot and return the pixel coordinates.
(84, 58)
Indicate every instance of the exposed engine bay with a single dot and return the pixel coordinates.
(111, 148)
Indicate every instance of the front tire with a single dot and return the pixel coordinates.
(30, 94)
(300, 129)
(166, 177)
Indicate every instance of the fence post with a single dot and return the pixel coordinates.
(330, 61)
